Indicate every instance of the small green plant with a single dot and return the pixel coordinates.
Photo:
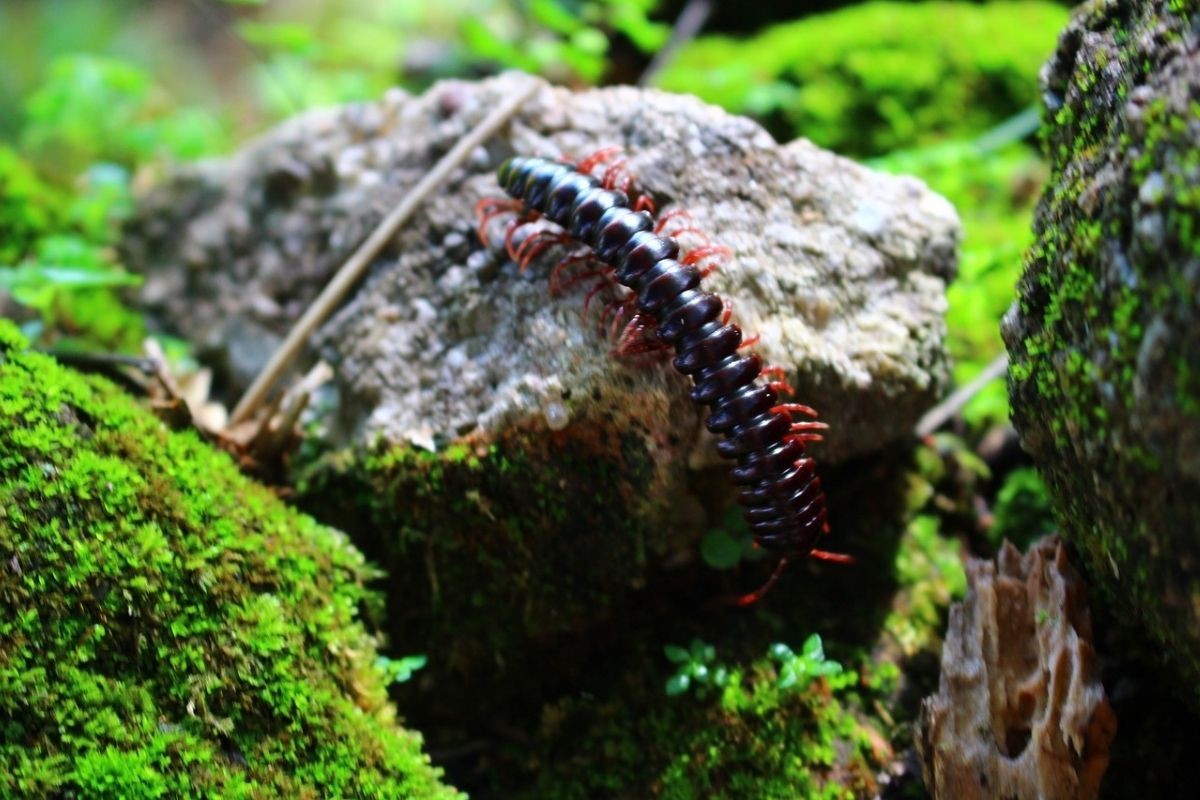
(1023, 509)
(729, 544)
(696, 668)
(65, 195)
(91, 109)
(797, 670)
(57, 258)
(400, 670)
(565, 39)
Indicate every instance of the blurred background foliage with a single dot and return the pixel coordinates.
(99, 97)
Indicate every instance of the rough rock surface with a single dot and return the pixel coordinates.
(1020, 711)
(840, 269)
(1105, 340)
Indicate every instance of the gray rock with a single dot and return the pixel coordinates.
(1105, 340)
(840, 269)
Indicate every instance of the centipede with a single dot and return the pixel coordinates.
(659, 302)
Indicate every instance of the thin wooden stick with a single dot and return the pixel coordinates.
(689, 23)
(356, 265)
(937, 416)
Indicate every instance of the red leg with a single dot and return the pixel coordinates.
(599, 157)
(644, 203)
(638, 339)
(663, 228)
(727, 314)
(581, 257)
(533, 246)
(602, 284)
(804, 435)
(836, 558)
(488, 209)
(617, 308)
(667, 218)
(808, 411)
(583, 276)
(747, 600)
(511, 229)
(781, 385)
(616, 176)
(713, 254)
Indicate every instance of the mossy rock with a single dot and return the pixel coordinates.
(1105, 340)
(878, 76)
(168, 628)
(588, 713)
(496, 553)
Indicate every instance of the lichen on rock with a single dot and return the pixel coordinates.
(168, 628)
(1020, 711)
(1104, 341)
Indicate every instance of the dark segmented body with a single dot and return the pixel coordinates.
(780, 492)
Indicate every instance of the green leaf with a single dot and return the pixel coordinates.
(780, 651)
(676, 654)
(812, 648)
(399, 670)
(280, 37)
(825, 668)
(38, 276)
(720, 550)
(553, 16)
(678, 684)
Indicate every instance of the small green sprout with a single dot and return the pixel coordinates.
(797, 671)
(696, 668)
(400, 670)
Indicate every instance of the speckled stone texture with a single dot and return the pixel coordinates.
(1020, 711)
(1105, 339)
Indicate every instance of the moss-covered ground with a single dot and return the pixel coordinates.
(168, 628)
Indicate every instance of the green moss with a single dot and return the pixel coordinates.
(879, 76)
(514, 527)
(1023, 510)
(167, 628)
(929, 570)
(1115, 257)
(756, 737)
